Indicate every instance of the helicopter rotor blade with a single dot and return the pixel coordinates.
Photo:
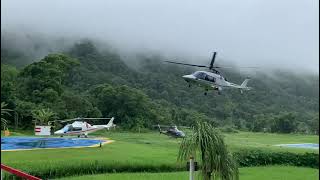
(65, 120)
(212, 60)
(186, 64)
(95, 118)
(233, 67)
(77, 119)
(250, 67)
(160, 125)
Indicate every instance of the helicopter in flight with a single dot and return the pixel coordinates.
(212, 79)
(81, 128)
(171, 131)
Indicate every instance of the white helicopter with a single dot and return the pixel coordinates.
(81, 128)
(212, 80)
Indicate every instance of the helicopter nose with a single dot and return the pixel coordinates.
(187, 77)
(58, 132)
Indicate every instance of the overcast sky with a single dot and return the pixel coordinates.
(279, 33)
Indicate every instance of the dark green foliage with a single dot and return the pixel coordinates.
(284, 123)
(74, 105)
(24, 110)
(131, 106)
(8, 83)
(42, 82)
(282, 103)
(314, 123)
(261, 158)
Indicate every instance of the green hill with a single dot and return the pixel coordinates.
(83, 80)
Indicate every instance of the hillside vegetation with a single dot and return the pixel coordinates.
(84, 81)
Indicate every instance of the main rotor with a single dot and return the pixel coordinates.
(77, 119)
(211, 67)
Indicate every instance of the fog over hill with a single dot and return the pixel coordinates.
(268, 34)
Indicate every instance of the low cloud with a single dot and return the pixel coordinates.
(268, 34)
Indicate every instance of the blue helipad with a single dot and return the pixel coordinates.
(305, 145)
(26, 143)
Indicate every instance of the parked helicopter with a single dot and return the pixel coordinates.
(212, 80)
(81, 128)
(172, 131)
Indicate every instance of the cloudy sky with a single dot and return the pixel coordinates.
(248, 32)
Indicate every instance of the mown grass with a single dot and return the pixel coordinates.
(130, 152)
(133, 152)
(268, 140)
(252, 173)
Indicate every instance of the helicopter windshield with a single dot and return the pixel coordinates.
(200, 75)
(69, 127)
(204, 76)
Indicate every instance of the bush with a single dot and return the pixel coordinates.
(261, 158)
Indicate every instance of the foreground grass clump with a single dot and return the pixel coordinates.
(252, 173)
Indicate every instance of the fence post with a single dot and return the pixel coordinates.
(191, 168)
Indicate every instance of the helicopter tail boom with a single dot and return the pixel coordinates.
(244, 84)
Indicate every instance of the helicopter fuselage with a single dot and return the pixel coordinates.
(206, 79)
(212, 81)
(82, 128)
(174, 133)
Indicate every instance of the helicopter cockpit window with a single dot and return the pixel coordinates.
(76, 129)
(67, 128)
(195, 74)
(210, 78)
(200, 75)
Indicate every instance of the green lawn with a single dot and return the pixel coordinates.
(268, 140)
(133, 150)
(252, 173)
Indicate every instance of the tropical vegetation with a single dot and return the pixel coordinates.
(215, 159)
(90, 80)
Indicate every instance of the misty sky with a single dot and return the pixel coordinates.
(261, 33)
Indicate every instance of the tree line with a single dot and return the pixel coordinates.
(83, 81)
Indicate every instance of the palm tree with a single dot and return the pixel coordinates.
(43, 115)
(4, 111)
(215, 159)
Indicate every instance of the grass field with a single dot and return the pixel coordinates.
(132, 151)
(252, 173)
(268, 140)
